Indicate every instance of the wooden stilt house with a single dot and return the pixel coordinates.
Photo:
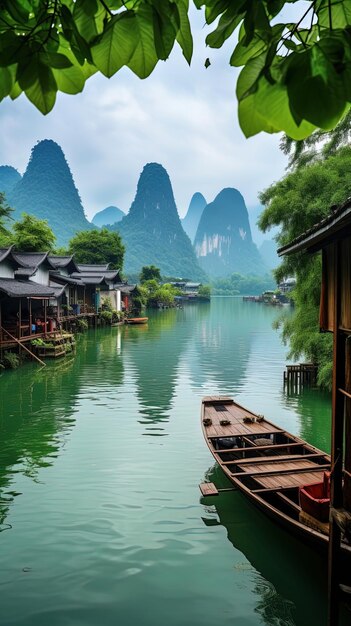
(332, 236)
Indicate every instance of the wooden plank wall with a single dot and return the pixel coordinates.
(326, 311)
(347, 453)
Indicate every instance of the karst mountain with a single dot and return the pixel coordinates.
(47, 190)
(152, 231)
(108, 216)
(223, 242)
(191, 221)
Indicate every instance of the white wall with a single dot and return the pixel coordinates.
(6, 270)
(114, 295)
(41, 276)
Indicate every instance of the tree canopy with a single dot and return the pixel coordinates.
(32, 235)
(5, 215)
(98, 246)
(149, 272)
(295, 203)
(295, 77)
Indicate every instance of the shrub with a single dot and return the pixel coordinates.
(106, 316)
(82, 324)
(10, 360)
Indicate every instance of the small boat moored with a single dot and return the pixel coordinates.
(136, 320)
(277, 471)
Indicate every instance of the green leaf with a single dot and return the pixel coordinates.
(184, 36)
(42, 93)
(56, 60)
(15, 91)
(6, 82)
(272, 102)
(89, 19)
(251, 122)
(18, 9)
(289, 44)
(314, 88)
(164, 33)
(71, 80)
(316, 102)
(226, 26)
(334, 14)
(215, 8)
(243, 53)
(144, 58)
(249, 75)
(117, 44)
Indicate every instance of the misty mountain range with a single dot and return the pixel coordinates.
(214, 239)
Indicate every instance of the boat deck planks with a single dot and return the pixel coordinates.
(237, 426)
(265, 462)
(208, 489)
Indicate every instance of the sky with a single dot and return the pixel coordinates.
(184, 118)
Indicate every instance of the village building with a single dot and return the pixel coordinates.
(40, 291)
(332, 236)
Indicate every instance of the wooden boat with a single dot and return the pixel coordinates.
(136, 320)
(267, 464)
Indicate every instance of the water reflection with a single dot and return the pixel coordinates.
(151, 354)
(222, 345)
(313, 409)
(106, 502)
(37, 408)
(289, 578)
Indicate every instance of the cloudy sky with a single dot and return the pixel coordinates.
(184, 118)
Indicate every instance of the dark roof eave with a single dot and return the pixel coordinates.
(320, 234)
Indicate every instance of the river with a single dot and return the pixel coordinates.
(101, 457)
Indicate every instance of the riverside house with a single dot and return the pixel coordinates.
(41, 292)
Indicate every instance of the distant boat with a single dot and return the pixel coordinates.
(273, 468)
(136, 320)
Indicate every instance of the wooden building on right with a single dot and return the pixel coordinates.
(332, 237)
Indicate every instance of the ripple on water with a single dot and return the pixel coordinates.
(101, 458)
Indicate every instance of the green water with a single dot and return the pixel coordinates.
(101, 457)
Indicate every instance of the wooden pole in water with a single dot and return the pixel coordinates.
(23, 346)
(336, 495)
(45, 316)
(30, 315)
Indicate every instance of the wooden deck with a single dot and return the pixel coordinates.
(299, 465)
(264, 461)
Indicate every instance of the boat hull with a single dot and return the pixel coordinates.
(268, 465)
(137, 320)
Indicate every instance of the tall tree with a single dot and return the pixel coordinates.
(149, 272)
(295, 77)
(98, 246)
(5, 215)
(32, 235)
(295, 203)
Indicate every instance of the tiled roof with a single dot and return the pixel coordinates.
(90, 267)
(93, 280)
(4, 252)
(24, 289)
(108, 274)
(320, 233)
(32, 259)
(58, 290)
(63, 261)
(24, 271)
(68, 280)
(126, 288)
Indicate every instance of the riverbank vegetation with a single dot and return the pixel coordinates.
(152, 292)
(237, 284)
(98, 247)
(319, 178)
